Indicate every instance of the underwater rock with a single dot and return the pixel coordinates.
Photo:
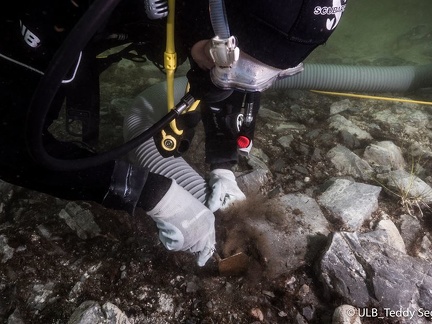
(367, 273)
(270, 114)
(350, 203)
(340, 106)
(307, 213)
(349, 163)
(424, 250)
(287, 126)
(394, 237)
(340, 123)
(40, 296)
(80, 220)
(408, 187)
(346, 314)
(403, 118)
(286, 140)
(288, 237)
(6, 194)
(90, 312)
(384, 154)
(6, 252)
(410, 230)
(251, 182)
(15, 317)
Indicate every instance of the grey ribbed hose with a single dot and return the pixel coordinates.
(359, 78)
(148, 108)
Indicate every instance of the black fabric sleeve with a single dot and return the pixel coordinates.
(127, 183)
(154, 189)
(134, 186)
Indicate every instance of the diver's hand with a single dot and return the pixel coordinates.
(225, 190)
(184, 223)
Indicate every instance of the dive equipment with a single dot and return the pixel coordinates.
(49, 84)
(249, 74)
(184, 223)
(224, 52)
(156, 9)
(172, 140)
(168, 140)
(225, 190)
(234, 69)
(144, 112)
(246, 129)
(219, 19)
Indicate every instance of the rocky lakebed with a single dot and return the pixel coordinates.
(336, 228)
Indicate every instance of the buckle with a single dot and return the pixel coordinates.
(224, 51)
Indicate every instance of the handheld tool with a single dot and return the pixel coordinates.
(234, 265)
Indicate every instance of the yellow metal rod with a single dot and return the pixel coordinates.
(170, 62)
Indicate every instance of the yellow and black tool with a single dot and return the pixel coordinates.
(173, 140)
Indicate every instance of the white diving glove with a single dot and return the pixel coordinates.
(184, 223)
(225, 190)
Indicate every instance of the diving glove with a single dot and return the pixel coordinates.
(184, 223)
(225, 190)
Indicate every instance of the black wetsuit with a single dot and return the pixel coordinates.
(28, 36)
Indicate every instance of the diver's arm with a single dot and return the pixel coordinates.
(184, 223)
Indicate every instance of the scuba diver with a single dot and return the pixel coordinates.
(236, 50)
(257, 42)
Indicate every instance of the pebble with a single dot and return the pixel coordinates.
(257, 313)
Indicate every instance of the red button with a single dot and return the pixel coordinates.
(243, 141)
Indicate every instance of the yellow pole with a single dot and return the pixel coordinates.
(170, 61)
